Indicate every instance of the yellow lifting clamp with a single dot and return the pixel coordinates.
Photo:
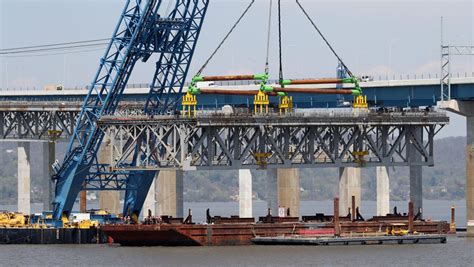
(360, 102)
(286, 104)
(189, 104)
(360, 157)
(262, 159)
(261, 102)
(54, 135)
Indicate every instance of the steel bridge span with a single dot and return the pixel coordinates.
(301, 140)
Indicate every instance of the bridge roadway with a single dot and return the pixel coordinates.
(394, 93)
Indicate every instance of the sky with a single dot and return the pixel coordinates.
(374, 37)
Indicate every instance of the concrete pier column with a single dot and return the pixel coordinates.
(24, 177)
(150, 201)
(289, 190)
(470, 176)
(49, 156)
(349, 185)
(272, 191)
(245, 194)
(108, 200)
(466, 108)
(169, 193)
(416, 175)
(383, 191)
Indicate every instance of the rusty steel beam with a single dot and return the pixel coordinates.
(314, 91)
(277, 90)
(316, 81)
(227, 92)
(228, 78)
(83, 201)
(337, 229)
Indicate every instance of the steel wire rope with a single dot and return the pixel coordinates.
(267, 67)
(50, 49)
(54, 54)
(225, 38)
(280, 75)
(52, 45)
(324, 38)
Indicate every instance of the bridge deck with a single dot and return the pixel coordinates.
(308, 118)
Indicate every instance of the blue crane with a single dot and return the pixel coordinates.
(140, 33)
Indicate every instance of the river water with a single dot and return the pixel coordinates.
(459, 250)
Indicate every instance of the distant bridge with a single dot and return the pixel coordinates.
(390, 93)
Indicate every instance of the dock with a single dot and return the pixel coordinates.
(359, 240)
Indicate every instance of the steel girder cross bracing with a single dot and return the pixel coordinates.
(130, 42)
(238, 143)
(37, 124)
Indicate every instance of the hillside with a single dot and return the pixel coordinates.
(444, 181)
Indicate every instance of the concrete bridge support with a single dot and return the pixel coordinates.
(466, 108)
(289, 190)
(169, 193)
(283, 190)
(383, 191)
(24, 177)
(416, 177)
(165, 196)
(349, 185)
(49, 156)
(272, 191)
(245, 194)
(108, 200)
(150, 200)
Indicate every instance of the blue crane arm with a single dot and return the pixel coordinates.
(103, 97)
(141, 31)
(176, 52)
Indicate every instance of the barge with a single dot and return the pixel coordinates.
(232, 231)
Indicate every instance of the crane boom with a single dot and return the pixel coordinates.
(140, 32)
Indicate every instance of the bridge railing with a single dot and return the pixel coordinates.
(391, 77)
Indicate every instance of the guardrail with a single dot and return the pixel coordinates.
(391, 77)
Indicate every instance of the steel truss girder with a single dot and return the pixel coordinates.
(187, 145)
(37, 125)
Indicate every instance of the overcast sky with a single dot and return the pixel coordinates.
(378, 37)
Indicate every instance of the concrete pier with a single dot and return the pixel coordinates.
(150, 200)
(289, 190)
(349, 185)
(245, 194)
(383, 191)
(466, 108)
(108, 200)
(169, 193)
(416, 175)
(49, 156)
(470, 175)
(24, 178)
(272, 191)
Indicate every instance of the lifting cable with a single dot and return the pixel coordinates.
(279, 43)
(225, 38)
(267, 68)
(324, 38)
